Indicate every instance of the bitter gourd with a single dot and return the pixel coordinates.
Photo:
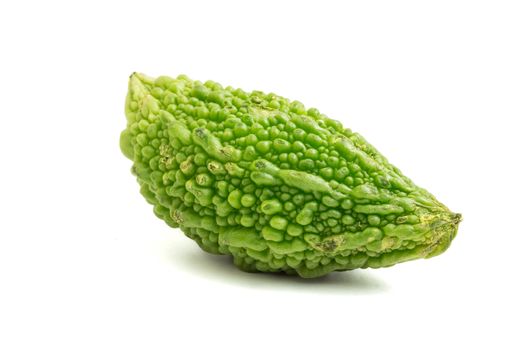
(279, 187)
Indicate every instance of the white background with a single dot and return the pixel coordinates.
(437, 86)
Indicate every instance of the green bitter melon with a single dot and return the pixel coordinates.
(279, 187)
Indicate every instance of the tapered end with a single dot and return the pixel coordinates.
(445, 233)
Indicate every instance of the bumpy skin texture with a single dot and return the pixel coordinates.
(279, 187)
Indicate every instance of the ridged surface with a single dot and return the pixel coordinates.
(278, 187)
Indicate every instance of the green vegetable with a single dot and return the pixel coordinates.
(279, 187)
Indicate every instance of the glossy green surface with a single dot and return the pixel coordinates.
(277, 186)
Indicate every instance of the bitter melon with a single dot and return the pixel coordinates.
(279, 187)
